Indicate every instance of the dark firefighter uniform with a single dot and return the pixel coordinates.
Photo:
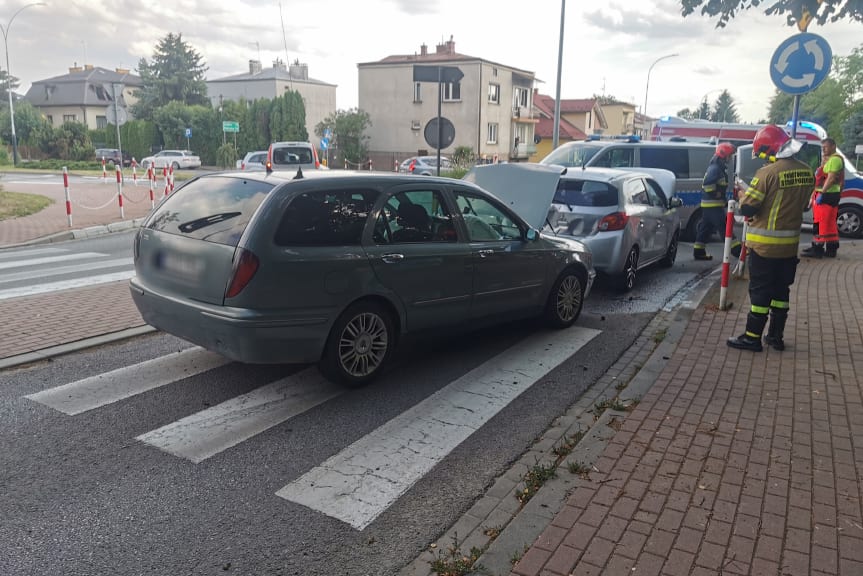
(713, 206)
(775, 201)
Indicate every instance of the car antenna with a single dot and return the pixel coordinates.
(299, 175)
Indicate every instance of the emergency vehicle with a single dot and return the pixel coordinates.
(674, 129)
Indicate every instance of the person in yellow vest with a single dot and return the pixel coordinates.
(825, 211)
(774, 204)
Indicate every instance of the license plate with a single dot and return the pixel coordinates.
(180, 265)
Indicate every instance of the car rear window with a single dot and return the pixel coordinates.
(585, 193)
(215, 209)
(292, 155)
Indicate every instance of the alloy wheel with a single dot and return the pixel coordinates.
(363, 344)
(569, 296)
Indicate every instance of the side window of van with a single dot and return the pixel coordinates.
(699, 158)
(614, 157)
(675, 159)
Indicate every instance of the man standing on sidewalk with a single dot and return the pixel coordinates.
(774, 204)
(825, 211)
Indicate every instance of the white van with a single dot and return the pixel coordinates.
(686, 160)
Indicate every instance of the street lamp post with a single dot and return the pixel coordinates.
(5, 32)
(647, 85)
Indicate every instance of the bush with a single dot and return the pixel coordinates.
(226, 156)
(57, 164)
(5, 159)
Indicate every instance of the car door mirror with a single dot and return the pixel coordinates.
(675, 202)
(531, 235)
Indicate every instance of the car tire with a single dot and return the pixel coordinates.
(145, 165)
(850, 221)
(692, 226)
(359, 344)
(565, 299)
(630, 270)
(671, 253)
(175, 166)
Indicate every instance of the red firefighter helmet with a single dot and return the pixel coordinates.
(768, 141)
(724, 150)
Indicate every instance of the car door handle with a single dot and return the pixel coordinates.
(392, 258)
(484, 253)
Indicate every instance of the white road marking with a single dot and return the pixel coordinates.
(359, 483)
(206, 433)
(102, 389)
(57, 271)
(4, 255)
(65, 284)
(49, 260)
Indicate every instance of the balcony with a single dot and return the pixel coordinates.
(522, 151)
(523, 114)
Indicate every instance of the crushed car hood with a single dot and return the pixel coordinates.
(527, 188)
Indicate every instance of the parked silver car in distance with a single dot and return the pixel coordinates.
(253, 161)
(424, 165)
(177, 159)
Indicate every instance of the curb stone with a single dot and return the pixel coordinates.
(81, 233)
(499, 510)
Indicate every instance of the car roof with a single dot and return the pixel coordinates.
(281, 176)
(601, 174)
(639, 144)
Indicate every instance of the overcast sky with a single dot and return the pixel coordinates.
(608, 46)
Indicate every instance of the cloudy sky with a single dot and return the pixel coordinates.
(608, 46)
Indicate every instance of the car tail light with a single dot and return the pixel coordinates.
(242, 165)
(244, 270)
(614, 221)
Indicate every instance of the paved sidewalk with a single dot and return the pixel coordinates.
(734, 462)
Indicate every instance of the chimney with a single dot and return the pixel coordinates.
(279, 65)
(121, 70)
(299, 71)
(424, 50)
(75, 68)
(447, 47)
(254, 67)
(450, 46)
(88, 66)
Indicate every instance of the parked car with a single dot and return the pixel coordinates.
(177, 158)
(850, 218)
(627, 218)
(687, 160)
(335, 267)
(112, 156)
(253, 161)
(293, 156)
(424, 165)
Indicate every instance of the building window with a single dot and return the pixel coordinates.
(50, 119)
(494, 72)
(101, 122)
(451, 92)
(70, 118)
(492, 133)
(418, 92)
(494, 93)
(520, 97)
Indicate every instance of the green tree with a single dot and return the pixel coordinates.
(724, 110)
(27, 120)
(821, 11)
(825, 106)
(4, 85)
(852, 132)
(176, 73)
(348, 127)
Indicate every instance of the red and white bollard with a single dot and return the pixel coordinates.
(165, 178)
(104, 172)
(120, 192)
(171, 177)
(68, 198)
(134, 175)
(396, 166)
(726, 255)
(151, 178)
(371, 165)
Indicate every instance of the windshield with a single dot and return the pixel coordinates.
(572, 154)
(585, 193)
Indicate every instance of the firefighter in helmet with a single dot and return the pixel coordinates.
(774, 204)
(713, 202)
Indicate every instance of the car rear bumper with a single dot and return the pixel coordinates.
(607, 250)
(239, 334)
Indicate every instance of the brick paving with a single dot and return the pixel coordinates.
(733, 462)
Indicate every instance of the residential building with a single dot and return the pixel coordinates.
(86, 95)
(319, 97)
(619, 117)
(490, 108)
(544, 110)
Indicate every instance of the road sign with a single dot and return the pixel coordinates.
(328, 133)
(448, 74)
(325, 143)
(188, 133)
(119, 117)
(230, 126)
(447, 133)
(801, 63)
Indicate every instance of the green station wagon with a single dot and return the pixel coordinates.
(334, 267)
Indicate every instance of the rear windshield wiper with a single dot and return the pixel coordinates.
(193, 225)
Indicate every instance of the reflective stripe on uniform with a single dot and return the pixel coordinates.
(755, 194)
(780, 304)
(774, 211)
(778, 237)
(712, 204)
(760, 309)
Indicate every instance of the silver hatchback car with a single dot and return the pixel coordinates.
(333, 267)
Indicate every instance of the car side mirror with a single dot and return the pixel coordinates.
(675, 202)
(531, 235)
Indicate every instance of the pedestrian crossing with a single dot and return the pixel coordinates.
(366, 477)
(43, 270)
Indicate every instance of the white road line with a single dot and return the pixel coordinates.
(359, 483)
(4, 255)
(102, 389)
(49, 260)
(206, 433)
(65, 284)
(57, 271)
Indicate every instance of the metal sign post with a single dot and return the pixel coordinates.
(441, 75)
